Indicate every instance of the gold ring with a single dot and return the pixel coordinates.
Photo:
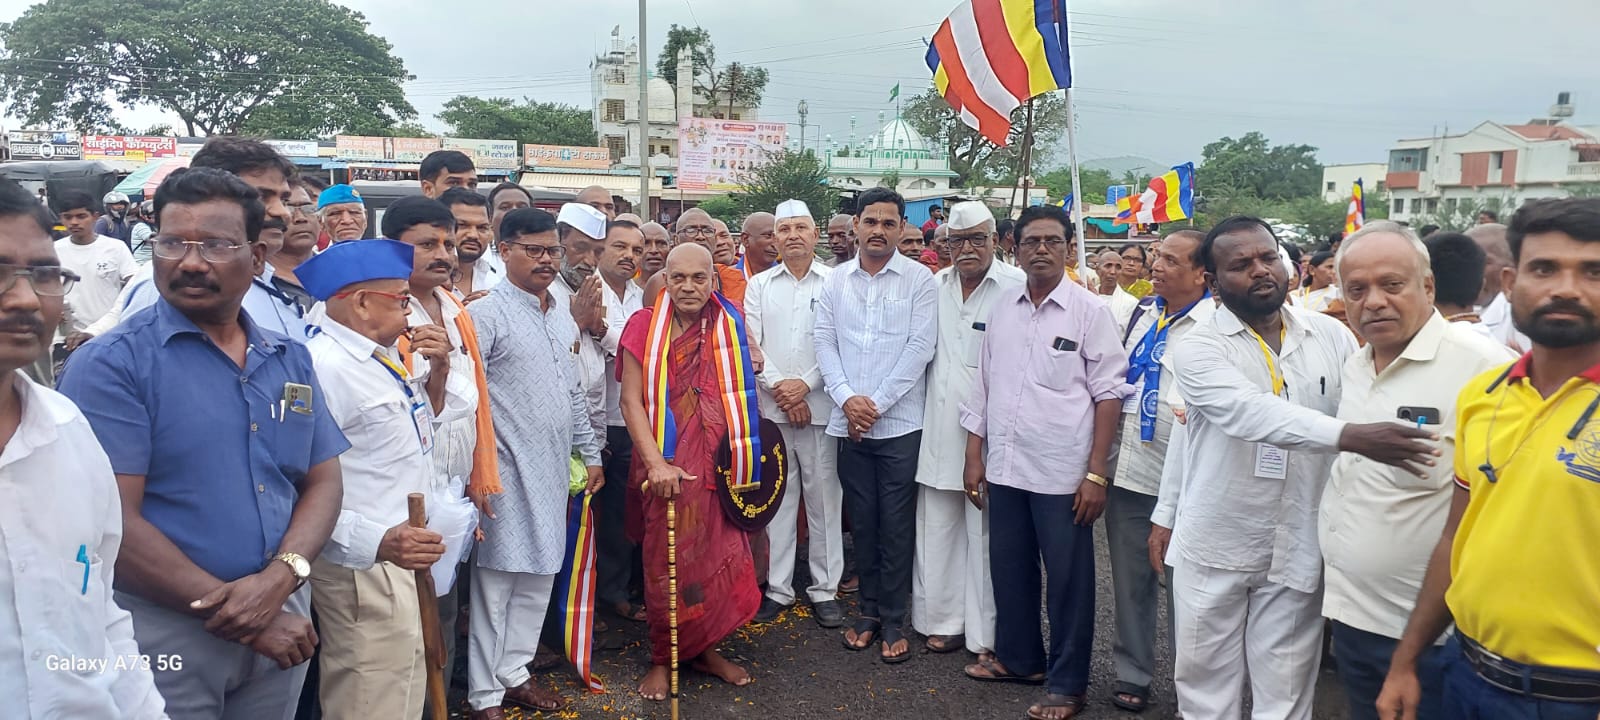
(644, 486)
(973, 493)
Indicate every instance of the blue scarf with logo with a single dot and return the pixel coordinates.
(1145, 363)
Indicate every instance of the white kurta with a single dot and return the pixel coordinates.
(950, 586)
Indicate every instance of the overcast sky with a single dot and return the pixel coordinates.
(1157, 78)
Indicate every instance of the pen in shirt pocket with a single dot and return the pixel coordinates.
(1323, 381)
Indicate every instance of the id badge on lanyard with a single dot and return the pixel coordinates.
(421, 417)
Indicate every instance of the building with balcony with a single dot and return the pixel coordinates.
(896, 150)
(1449, 178)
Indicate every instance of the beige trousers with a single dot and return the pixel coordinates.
(370, 638)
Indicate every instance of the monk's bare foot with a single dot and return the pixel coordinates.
(711, 663)
(656, 684)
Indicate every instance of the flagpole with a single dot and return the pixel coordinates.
(1077, 192)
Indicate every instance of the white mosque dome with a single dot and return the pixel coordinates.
(898, 135)
(662, 96)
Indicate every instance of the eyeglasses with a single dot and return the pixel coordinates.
(534, 252)
(215, 250)
(975, 242)
(305, 209)
(47, 280)
(698, 231)
(1051, 243)
(404, 298)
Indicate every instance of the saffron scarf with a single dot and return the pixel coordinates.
(736, 386)
(485, 477)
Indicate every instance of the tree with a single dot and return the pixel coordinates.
(1092, 183)
(216, 64)
(530, 121)
(973, 158)
(736, 84)
(722, 207)
(787, 175)
(890, 179)
(1250, 165)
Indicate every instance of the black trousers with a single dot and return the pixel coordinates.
(880, 491)
(1028, 530)
(613, 553)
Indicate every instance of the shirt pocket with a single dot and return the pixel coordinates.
(973, 337)
(1057, 369)
(81, 621)
(893, 319)
(293, 435)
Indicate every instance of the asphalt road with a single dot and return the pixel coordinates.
(802, 671)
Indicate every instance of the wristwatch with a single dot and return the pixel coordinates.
(1097, 479)
(297, 565)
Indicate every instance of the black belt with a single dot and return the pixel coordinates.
(1546, 683)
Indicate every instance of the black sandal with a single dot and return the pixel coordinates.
(865, 629)
(888, 638)
(1140, 697)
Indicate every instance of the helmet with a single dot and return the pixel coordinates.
(113, 198)
(148, 207)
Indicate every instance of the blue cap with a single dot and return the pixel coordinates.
(338, 194)
(347, 263)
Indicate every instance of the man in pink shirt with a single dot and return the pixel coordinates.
(1052, 366)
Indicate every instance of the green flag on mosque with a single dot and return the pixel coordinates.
(895, 92)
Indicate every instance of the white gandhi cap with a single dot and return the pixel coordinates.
(584, 219)
(968, 214)
(792, 208)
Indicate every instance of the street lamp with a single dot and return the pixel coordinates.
(801, 109)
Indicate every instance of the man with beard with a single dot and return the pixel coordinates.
(1261, 381)
(299, 243)
(270, 173)
(474, 235)
(952, 600)
(600, 199)
(657, 243)
(619, 260)
(190, 391)
(582, 232)
(504, 198)
(543, 420)
(695, 226)
(759, 236)
(726, 251)
(677, 345)
(1379, 524)
(781, 317)
(343, 213)
(442, 170)
(841, 240)
(1515, 568)
(1179, 303)
(875, 334)
(1050, 370)
(57, 490)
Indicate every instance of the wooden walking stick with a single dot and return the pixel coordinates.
(432, 634)
(672, 595)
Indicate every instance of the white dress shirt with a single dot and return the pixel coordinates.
(57, 496)
(780, 313)
(1497, 317)
(1379, 524)
(591, 363)
(875, 336)
(1232, 515)
(488, 270)
(942, 460)
(1139, 464)
(618, 310)
(386, 460)
(457, 437)
(1122, 304)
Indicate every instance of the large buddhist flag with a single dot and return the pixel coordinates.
(1356, 216)
(1169, 197)
(574, 594)
(990, 56)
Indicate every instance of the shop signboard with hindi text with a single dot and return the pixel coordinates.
(497, 154)
(134, 148)
(45, 145)
(566, 156)
(716, 155)
(294, 148)
(362, 147)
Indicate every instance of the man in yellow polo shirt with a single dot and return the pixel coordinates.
(1516, 567)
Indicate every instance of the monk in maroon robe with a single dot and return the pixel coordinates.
(717, 590)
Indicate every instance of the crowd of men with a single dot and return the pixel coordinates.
(1394, 439)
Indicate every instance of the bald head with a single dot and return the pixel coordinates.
(724, 250)
(630, 217)
(759, 235)
(690, 256)
(599, 198)
(1496, 257)
(691, 278)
